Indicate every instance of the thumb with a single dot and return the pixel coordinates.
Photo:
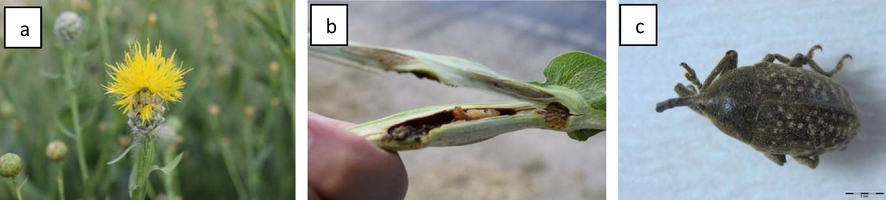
(342, 165)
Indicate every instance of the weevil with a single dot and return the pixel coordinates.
(777, 108)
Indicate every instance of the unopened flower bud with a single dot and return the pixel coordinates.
(152, 19)
(6, 110)
(123, 141)
(217, 39)
(275, 101)
(225, 142)
(56, 151)
(10, 165)
(68, 27)
(213, 110)
(274, 68)
(249, 111)
(213, 24)
(102, 126)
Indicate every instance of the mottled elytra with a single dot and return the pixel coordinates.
(778, 109)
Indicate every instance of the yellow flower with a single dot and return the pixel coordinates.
(145, 77)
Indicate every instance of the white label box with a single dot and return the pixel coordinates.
(329, 25)
(22, 27)
(638, 25)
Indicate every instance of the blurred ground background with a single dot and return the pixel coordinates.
(516, 39)
(680, 150)
(236, 115)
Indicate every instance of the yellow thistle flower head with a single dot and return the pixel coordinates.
(144, 79)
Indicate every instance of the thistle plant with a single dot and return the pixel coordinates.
(143, 85)
(10, 166)
(572, 99)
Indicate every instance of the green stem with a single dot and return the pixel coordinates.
(143, 168)
(280, 19)
(15, 190)
(232, 171)
(75, 115)
(229, 163)
(103, 30)
(168, 180)
(59, 178)
(251, 173)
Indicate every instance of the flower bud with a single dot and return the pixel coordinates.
(213, 24)
(102, 126)
(275, 101)
(213, 110)
(274, 68)
(123, 141)
(68, 27)
(152, 19)
(217, 39)
(10, 165)
(166, 137)
(56, 151)
(6, 110)
(249, 111)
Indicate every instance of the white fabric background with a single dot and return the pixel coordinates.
(679, 154)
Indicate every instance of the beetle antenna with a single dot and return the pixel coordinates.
(671, 103)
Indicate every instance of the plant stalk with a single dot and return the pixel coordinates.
(67, 60)
(103, 30)
(143, 168)
(229, 163)
(170, 177)
(15, 189)
(59, 178)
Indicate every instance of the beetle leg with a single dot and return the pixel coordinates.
(798, 61)
(690, 75)
(774, 56)
(809, 161)
(779, 159)
(683, 90)
(836, 69)
(811, 51)
(729, 62)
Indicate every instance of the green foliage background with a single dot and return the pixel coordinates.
(230, 46)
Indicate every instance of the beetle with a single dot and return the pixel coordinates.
(777, 108)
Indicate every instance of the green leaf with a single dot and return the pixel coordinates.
(582, 72)
(121, 156)
(169, 166)
(583, 134)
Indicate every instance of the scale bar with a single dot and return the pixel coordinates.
(865, 193)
